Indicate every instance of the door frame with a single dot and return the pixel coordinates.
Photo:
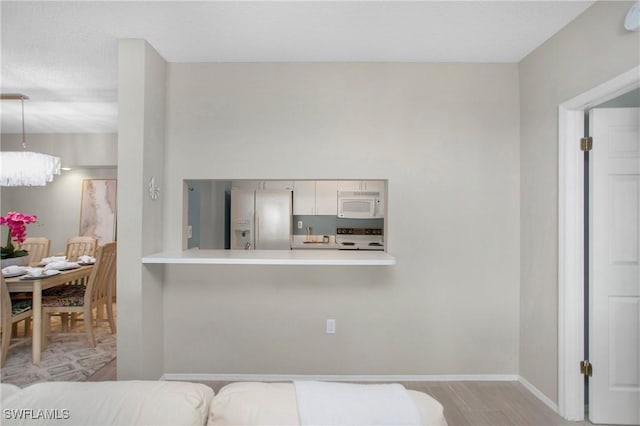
(571, 238)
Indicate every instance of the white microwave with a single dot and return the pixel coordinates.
(358, 205)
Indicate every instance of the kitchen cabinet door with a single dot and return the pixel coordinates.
(361, 185)
(277, 184)
(246, 184)
(373, 186)
(304, 197)
(349, 185)
(327, 197)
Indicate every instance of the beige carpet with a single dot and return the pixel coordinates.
(66, 358)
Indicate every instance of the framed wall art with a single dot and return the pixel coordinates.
(98, 209)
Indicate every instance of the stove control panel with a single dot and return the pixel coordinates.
(359, 231)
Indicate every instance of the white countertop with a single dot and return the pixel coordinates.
(272, 257)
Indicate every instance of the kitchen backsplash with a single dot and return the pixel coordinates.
(326, 225)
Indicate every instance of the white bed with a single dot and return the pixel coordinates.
(257, 403)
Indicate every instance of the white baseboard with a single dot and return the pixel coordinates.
(538, 394)
(339, 377)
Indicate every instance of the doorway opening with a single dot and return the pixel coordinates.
(572, 238)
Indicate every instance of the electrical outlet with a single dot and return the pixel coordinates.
(331, 326)
(189, 231)
(299, 224)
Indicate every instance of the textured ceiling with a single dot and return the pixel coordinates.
(63, 54)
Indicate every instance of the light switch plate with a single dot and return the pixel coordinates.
(331, 326)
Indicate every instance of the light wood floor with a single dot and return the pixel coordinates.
(465, 403)
(106, 373)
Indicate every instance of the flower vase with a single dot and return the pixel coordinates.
(18, 261)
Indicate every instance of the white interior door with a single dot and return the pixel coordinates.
(614, 314)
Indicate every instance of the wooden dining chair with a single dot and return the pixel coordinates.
(80, 246)
(11, 313)
(81, 299)
(38, 248)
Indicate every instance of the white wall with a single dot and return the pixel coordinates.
(74, 149)
(446, 136)
(56, 205)
(141, 122)
(589, 51)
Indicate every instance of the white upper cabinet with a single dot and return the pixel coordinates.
(263, 184)
(327, 197)
(349, 185)
(246, 184)
(361, 185)
(277, 184)
(373, 186)
(304, 197)
(315, 197)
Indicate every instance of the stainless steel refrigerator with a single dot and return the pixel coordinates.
(261, 219)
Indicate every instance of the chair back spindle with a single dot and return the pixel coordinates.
(38, 248)
(80, 246)
(103, 275)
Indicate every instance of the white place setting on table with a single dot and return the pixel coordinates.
(61, 266)
(14, 271)
(59, 263)
(39, 273)
(46, 260)
(86, 260)
(28, 272)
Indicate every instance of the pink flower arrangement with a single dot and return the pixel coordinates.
(17, 224)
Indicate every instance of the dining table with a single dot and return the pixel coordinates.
(36, 286)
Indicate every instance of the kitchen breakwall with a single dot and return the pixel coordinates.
(446, 136)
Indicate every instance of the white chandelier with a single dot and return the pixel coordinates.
(26, 168)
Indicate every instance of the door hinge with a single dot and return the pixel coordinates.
(586, 368)
(586, 144)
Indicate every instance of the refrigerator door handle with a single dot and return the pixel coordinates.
(257, 231)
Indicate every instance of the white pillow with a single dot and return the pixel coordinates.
(255, 403)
